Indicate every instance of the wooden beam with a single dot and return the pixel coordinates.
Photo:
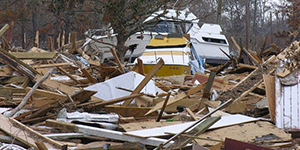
(9, 127)
(35, 134)
(269, 81)
(112, 101)
(117, 60)
(98, 132)
(163, 107)
(144, 82)
(34, 55)
(178, 97)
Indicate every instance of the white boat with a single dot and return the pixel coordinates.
(173, 49)
(207, 40)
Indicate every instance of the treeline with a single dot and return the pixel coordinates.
(245, 20)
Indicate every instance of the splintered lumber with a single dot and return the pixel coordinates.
(28, 95)
(163, 107)
(270, 93)
(34, 55)
(178, 97)
(98, 132)
(144, 82)
(17, 65)
(247, 84)
(194, 124)
(88, 75)
(197, 130)
(25, 134)
(117, 60)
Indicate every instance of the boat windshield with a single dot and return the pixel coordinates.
(165, 27)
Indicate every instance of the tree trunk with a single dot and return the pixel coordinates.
(121, 48)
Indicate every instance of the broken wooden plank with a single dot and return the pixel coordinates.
(269, 81)
(283, 73)
(35, 134)
(96, 105)
(21, 133)
(116, 135)
(189, 111)
(117, 60)
(143, 83)
(34, 55)
(88, 75)
(178, 97)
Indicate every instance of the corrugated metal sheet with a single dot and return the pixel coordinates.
(287, 106)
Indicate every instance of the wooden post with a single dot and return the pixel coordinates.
(74, 48)
(36, 39)
(163, 108)
(51, 49)
(28, 95)
(9, 31)
(143, 83)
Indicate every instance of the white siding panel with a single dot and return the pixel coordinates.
(287, 106)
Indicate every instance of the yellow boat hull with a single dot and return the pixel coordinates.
(168, 70)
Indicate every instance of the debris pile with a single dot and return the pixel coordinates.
(67, 99)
